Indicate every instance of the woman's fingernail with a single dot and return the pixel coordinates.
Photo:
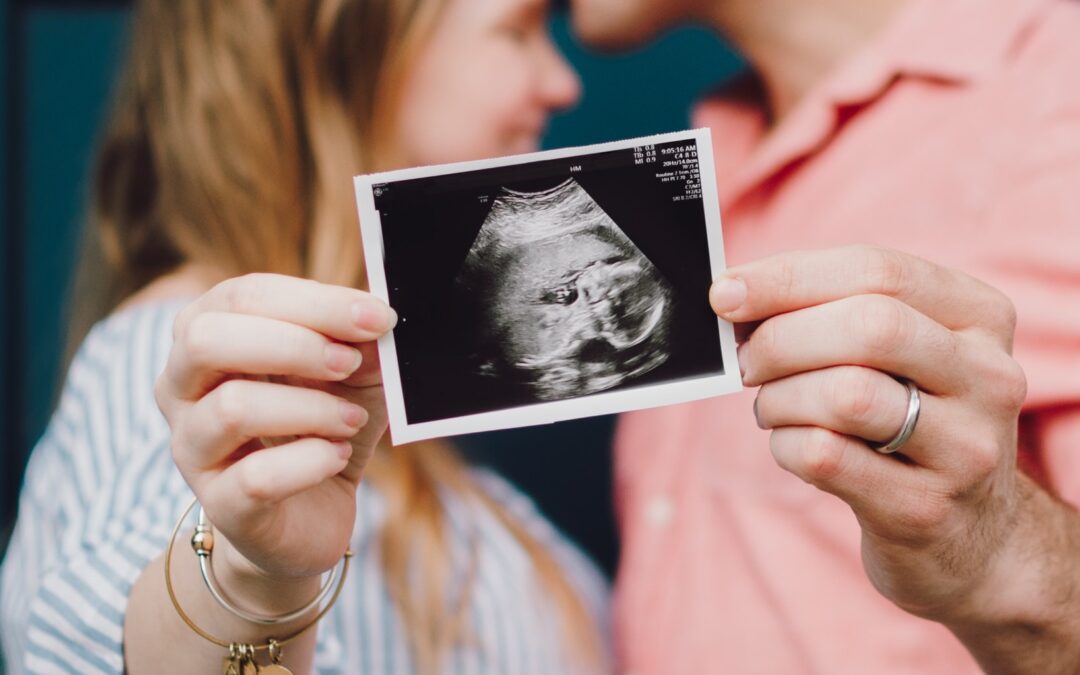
(372, 318)
(757, 414)
(344, 449)
(727, 295)
(351, 414)
(361, 316)
(741, 353)
(342, 359)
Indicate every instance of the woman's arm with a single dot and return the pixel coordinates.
(94, 505)
(261, 357)
(159, 641)
(83, 584)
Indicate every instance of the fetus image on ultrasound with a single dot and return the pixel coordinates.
(560, 300)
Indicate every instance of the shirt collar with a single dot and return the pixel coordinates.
(956, 42)
(959, 40)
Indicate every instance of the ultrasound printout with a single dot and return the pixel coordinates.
(551, 286)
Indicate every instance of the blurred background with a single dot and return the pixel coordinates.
(56, 69)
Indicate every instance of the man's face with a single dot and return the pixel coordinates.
(620, 24)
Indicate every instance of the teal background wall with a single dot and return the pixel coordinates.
(58, 65)
(7, 468)
(69, 58)
(56, 69)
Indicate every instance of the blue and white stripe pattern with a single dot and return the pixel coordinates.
(101, 495)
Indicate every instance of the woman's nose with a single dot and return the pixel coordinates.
(560, 87)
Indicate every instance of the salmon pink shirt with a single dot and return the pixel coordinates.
(955, 136)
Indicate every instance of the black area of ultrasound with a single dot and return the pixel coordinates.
(429, 226)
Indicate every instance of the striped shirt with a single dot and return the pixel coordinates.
(101, 495)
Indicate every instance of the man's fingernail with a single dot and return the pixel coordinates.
(351, 414)
(342, 359)
(344, 449)
(727, 295)
(371, 318)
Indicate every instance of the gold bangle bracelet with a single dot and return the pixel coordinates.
(272, 644)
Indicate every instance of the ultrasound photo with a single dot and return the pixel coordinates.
(563, 301)
(545, 287)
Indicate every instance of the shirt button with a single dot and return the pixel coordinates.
(659, 511)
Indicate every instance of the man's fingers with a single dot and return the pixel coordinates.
(213, 345)
(369, 373)
(890, 498)
(868, 405)
(344, 314)
(850, 400)
(872, 331)
(239, 411)
(801, 279)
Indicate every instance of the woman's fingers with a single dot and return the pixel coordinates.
(214, 345)
(874, 331)
(271, 475)
(266, 324)
(343, 314)
(239, 411)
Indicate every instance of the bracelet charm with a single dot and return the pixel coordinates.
(275, 668)
(240, 661)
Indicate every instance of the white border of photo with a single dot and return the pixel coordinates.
(603, 403)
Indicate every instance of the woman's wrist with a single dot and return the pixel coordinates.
(254, 589)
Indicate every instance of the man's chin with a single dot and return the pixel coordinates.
(609, 38)
(615, 31)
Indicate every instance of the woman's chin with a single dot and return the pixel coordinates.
(520, 145)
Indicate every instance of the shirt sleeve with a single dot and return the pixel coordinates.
(97, 505)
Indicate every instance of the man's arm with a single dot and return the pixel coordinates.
(1025, 617)
(952, 530)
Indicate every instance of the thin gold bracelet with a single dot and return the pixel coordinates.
(272, 644)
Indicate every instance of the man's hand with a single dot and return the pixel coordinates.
(952, 531)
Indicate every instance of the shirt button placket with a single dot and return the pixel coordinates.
(659, 511)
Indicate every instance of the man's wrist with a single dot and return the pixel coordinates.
(1030, 574)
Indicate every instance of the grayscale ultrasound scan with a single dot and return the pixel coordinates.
(549, 286)
(566, 303)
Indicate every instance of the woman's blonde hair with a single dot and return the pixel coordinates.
(234, 134)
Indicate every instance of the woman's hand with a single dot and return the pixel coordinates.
(266, 356)
(826, 335)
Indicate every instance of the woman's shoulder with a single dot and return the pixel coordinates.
(136, 336)
(134, 339)
(106, 404)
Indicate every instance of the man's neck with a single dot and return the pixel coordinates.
(793, 44)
